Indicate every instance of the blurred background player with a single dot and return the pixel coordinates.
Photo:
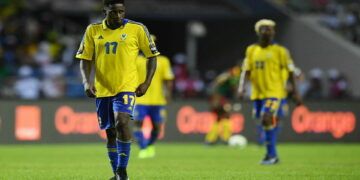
(223, 89)
(112, 47)
(152, 104)
(264, 66)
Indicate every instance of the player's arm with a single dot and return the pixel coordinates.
(148, 47)
(85, 54)
(296, 95)
(243, 79)
(245, 74)
(85, 70)
(169, 85)
(150, 71)
(221, 79)
(289, 65)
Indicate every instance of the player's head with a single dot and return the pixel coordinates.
(114, 10)
(265, 29)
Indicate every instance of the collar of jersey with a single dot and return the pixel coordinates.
(105, 27)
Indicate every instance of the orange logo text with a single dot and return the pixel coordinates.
(336, 123)
(189, 121)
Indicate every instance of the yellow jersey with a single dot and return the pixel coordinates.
(155, 94)
(114, 54)
(267, 66)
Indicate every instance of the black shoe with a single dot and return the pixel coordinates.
(121, 174)
(270, 160)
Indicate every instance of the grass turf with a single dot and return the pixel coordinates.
(181, 161)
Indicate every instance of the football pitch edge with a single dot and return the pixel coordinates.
(182, 161)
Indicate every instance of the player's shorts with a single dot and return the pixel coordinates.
(156, 113)
(106, 106)
(277, 107)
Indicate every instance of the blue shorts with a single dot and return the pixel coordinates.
(156, 113)
(279, 108)
(106, 106)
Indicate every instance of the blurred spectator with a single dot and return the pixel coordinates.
(338, 85)
(27, 86)
(315, 90)
(186, 85)
(53, 82)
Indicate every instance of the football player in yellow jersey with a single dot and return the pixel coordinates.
(111, 48)
(153, 103)
(263, 66)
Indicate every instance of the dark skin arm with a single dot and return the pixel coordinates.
(169, 87)
(295, 93)
(243, 78)
(85, 70)
(150, 71)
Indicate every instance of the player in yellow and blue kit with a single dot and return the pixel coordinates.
(111, 48)
(281, 113)
(264, 64)
(153, 103)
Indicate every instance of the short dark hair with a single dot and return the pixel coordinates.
(109, 2)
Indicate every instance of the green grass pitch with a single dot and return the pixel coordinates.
(181, 161)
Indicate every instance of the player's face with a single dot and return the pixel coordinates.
(115, 13)
(267, 33)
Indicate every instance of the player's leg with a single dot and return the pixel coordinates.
(111, 146)
(212, 136)
(123, 105)
(123, 142)
(106, 121)
(139, 116)
(260, 133)
(225, 129)
(269, 122)
(157, 116)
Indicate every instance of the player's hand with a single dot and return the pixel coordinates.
(240, 95)
(168, 98)
(90, 90)
(141, 89)
(297, 99)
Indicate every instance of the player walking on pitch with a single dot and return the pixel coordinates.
(111, 48)
(153, 103)
(263, 66)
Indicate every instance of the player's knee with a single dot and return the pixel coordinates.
(267, 120)
(122, 120)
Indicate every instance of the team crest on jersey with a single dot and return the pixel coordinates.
(123, 37)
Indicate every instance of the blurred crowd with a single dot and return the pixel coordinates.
(37, 50)
(36, 54)
(342, 16)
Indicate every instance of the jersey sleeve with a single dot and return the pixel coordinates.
(287, 61)
(146, 43)
(86, 49)
(167, 73)
(246, 64)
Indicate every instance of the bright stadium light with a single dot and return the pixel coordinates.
(195, 29)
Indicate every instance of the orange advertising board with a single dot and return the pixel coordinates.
(28, 123)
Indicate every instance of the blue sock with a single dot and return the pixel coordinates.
(153, 137)
(139, 136)
(123, 150)
(271, 142)
(261, 134)
(113, 156)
